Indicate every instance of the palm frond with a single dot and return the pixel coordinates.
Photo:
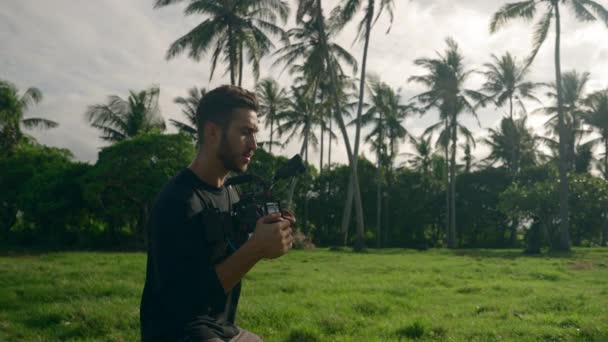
(540, 35)
(599, 10)
(523, 9)
(39, 123)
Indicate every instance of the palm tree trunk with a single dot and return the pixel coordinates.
(564, 235)
(447, 184)
(352, 157)
(306, 150)
(571, 146)
(452, 232)
(232, 55)
(368, 21)
(329, 147)
(606, 158)
(271, 130)
(322, 188)
(379, 200)
(605, 231)
(240, 64)
(322, 136)
(305, 220)
(292, 185)
(386, 213)
(347, 209)
(513, 168)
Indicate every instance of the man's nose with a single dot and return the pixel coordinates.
(253, 143)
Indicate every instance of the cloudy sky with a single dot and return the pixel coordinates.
(79, 52)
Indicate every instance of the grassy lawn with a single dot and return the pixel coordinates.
(389, 295)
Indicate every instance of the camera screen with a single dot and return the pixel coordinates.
(272, 208)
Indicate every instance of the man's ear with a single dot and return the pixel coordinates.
(212, 131)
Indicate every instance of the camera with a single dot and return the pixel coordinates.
(260, 201)
(227, 231)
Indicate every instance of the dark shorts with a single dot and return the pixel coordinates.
(243, 336)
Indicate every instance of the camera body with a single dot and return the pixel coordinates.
(227, 231)
(249, 210)
(260, 201)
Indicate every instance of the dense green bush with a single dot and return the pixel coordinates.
(49, 199)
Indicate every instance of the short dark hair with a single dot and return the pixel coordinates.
(219, 104)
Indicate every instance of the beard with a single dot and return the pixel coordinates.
(229, 156)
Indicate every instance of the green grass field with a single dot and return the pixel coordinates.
(389, 295)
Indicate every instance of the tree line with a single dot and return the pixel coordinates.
(520, 184)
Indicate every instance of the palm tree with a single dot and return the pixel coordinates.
(12, 110)
(596, 116)
(514, 145)
(121, 119)
(343, 14)
(347, 92)
(273, 100)
(230, 29)
(422, 158)
(573, 94)
(513, 135)
(385, 114)
(189, 106)
(505, 83)
(298, 120)
(445, 83)
(314, 46)
(585, 10)
(468, 155)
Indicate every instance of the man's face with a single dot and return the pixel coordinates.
(238, 141)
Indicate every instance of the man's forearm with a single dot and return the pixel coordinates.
(234, 268)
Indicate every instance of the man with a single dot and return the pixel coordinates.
(194, 269)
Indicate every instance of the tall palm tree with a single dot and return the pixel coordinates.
(506, 83)
(189, 106)
(273, 100)
(573, 87)
(386, 115)
(297, 120)
(335, 75)
(231, 29)
(314, 46)
(445, 83)
(514, 145)
(347, 92)
(596, 116)
(585, 10)
(120, 119)
(12, 111)
(343, 14)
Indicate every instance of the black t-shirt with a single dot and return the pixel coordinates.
(182, 294)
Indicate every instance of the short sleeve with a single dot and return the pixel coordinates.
(188, 279)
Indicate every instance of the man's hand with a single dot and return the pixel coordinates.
(286, 214)
(271, 239)
(273, 235)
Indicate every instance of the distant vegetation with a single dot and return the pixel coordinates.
(534, 190)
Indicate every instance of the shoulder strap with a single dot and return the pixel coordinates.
(204, 198)
(233, 195)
